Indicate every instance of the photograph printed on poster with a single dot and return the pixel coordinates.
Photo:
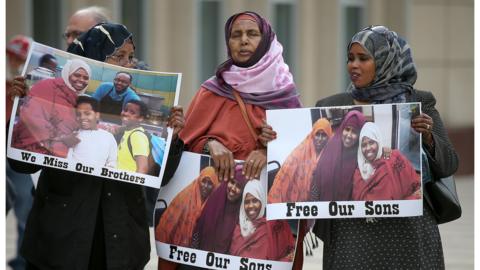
(202, 221)
(91, 117)
(344, 162)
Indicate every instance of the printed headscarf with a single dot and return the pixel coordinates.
(255, 188)
(70, 67)
(395, 72)
(264, 80)
(101, 41)
(295, 175)
(372, 131)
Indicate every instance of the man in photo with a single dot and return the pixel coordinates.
(134, 146)
(114, 96)
(96, 146)
(47, 68)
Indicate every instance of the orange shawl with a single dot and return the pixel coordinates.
(212, 116)
(292, 182)
(178, 220)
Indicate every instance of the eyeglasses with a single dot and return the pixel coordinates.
(122, 59)
(71, 34)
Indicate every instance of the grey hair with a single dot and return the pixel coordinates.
(100, 14)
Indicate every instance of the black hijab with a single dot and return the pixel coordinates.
(100, 41)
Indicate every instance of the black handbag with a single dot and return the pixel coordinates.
(441, 195)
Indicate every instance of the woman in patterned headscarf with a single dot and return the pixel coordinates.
(295, 176)
(381, 69)
(107, 42)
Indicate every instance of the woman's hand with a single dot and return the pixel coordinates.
(386, 152)
(254, 164)
(222, 160)
(176, 120)
(19, 87)
(424, 124)
(267, 134)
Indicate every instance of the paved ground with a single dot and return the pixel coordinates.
(457, 236)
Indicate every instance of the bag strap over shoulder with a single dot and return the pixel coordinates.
(245, 114)
(129, 141)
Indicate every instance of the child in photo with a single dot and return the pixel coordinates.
(134, 146)
(96, 146)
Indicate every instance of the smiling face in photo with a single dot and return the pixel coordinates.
(234, 190)
(131, 115)
(252, 206)
(87, 118)
(369, 149)
(79, 79)
(349, 136)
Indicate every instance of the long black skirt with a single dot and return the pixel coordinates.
(385, 243)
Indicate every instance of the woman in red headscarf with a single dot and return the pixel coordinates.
(295, 176)
(333, 176)
(177, 222)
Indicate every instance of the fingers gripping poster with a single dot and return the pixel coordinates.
(94, 118)
(204, 222)
(344, 162)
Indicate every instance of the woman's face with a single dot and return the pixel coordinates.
(244, 40)
(123, 56)
(361, 66)
(369, 149)
(206, 187)
(234, 190)
(320, 139)
(252, 206)
(349, 136)
(79, 79)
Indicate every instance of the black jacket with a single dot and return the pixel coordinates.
(60, 228)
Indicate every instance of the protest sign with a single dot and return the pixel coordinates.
(204, 222)
(94, 118)
(344, 162)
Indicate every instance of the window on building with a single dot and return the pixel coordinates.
(283, 14)
(47, 25)
(133, 17)
(210, 39)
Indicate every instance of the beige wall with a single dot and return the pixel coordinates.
(439, 31)
(15, 9)
(442, 43)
